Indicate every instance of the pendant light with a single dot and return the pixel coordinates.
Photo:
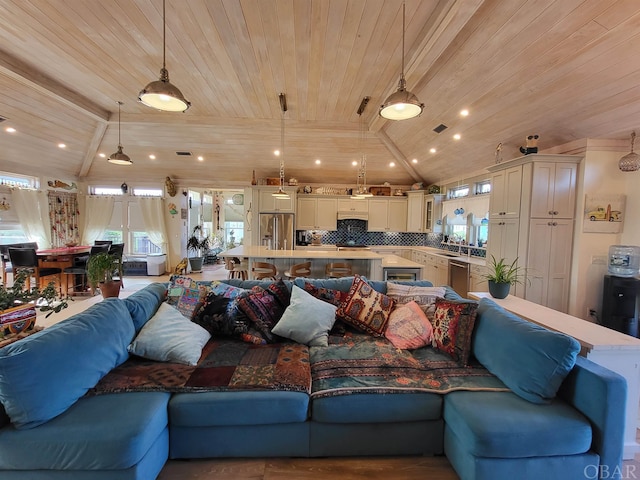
(161, 94)
(402, 104)
(362, 192)
(283, 107)
(631, 161)
(119, 158)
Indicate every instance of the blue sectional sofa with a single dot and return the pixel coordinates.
(543, 423)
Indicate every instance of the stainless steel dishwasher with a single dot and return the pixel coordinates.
(459, 277)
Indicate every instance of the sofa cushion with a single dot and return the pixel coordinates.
(177, 285)
(365, 309)
(257, 407)
(503, 425)
(453, 323)
(190, 300)
(530, 360)
(334, 297)
(108, 432)
(423, 296)
(307, 319)
(35, 380)
(377, 408)
(343, 284)
(170, 337)
(145, 302)
(264, 309)
(409, 327)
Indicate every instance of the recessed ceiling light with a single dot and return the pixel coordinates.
(415, 160)
(276, 153)
(432, 150)
(201, 158)
(101, 155)
(354, 163)
(10, 130)
(464, 113)
(62, 145)
(318, 161)
(152, 156)
(457, 136)
(392, 164)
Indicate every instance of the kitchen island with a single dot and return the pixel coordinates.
(363, 262)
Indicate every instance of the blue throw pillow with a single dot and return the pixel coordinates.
(529, 359)
(44, 374)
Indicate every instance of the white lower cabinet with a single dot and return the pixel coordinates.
(477, 281)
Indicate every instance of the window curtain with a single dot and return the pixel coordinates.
(98, 212)
(32, 210)
(153, 216)
(63, 216)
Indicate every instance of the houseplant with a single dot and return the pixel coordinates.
(18, 305)
(103, 271)
(198, 244)
(501, 275)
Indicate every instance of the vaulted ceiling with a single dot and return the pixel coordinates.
(563, 69)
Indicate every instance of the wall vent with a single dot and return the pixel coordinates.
(183, 154)
(440, 128)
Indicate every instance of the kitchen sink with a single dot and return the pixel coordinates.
(452, 255)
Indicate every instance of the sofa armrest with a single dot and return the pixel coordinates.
(600, 395)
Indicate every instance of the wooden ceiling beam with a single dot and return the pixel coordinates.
(92, 149)
(397, 154)
(32, 78)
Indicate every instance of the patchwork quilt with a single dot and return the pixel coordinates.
(225, 364)
(359, 363)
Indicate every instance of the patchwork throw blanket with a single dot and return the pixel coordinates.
(360, 363)
(225, 364)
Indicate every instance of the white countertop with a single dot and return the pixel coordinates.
(395, 261)
(590, 335)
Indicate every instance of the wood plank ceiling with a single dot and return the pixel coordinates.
(564, 69)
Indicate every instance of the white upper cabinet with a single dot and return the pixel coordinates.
(553, 192)
(416, 212)
(317, 213)
(268, 203)
(387, 215)
(506, 188)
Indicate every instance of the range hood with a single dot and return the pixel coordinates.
(348, 215)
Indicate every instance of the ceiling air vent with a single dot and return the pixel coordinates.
(440, 128)
(183, 154)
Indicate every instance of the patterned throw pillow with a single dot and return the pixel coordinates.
(334, 297)
(212, 315)
(365, 309)
(409, 327)
(190, 299)
(264, 309)
(425, 297)
(452, 328)
(177, 284)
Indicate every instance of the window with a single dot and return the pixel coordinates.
(15, 180)
(10, 229)
(483, 187)
(126, 224)
(233, 233)
(459, 192)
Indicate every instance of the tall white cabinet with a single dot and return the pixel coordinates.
(532, 213)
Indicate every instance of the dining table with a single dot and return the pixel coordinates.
(61, 257)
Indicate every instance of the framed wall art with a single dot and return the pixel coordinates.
(603, 213)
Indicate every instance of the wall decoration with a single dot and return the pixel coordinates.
(173, 210)
(171, 187)
(183, 214)
(4, 205)
(603, 213)
(62, 185)
(124, 187)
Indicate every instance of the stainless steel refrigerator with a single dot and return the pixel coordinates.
(277, 231)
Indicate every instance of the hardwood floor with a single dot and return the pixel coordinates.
(370, 468)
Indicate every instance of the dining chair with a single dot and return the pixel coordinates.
(338, 270)
(235, 269)
(299, 270)
(264, 270)
(102, 242)
(26, 259)
(5, 261)
(117, 250)
(78, 271)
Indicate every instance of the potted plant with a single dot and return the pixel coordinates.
(501, 275)
(18, 305)
(198, 244)
(103, 271)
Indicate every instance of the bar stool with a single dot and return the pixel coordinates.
(299, 270)
(337, 270)
(236, 270)
(264, 270)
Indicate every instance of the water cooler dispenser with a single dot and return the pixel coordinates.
(621, 292)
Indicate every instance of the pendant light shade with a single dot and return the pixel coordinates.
(281, 193)
(162, 94)
(402, 104)
(631, 161)
(119, 158)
